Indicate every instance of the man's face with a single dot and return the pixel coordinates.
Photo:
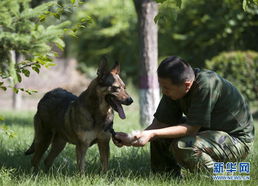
(175, 92)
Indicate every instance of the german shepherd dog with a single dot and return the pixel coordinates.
(83, 121)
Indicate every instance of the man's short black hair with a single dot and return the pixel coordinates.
(175, 69)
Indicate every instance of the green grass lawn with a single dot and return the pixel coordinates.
(128, 165)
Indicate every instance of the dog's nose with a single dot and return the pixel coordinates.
(128, 101)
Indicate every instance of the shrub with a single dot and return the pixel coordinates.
(240, 68)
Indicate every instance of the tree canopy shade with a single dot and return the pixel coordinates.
(205, 28)
(197, 31)
(22, 32)
(112, 33)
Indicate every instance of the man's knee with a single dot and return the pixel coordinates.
(188, 153)
(182, 149)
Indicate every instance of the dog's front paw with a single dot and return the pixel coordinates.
(132, 137)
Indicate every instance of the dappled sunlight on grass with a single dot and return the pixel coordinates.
(127, 165)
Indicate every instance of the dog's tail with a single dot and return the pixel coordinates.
(31, 150)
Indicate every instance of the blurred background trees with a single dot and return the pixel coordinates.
(203, 29)
(113, 32)
(196, 30)
(25, 42)
(200, 30)
(239, 67)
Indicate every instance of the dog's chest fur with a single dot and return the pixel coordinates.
(89, 127)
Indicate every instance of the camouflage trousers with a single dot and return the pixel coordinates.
(196, 153)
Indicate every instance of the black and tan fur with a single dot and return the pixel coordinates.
(83, 121)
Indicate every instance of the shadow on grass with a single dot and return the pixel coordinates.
(131, 164)
(17, 118)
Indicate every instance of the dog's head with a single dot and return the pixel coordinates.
(112, 87)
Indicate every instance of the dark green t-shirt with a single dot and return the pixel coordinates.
(212, 103)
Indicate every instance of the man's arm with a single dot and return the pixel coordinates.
(175, 131)
(156, 125)
(159, 130)
(167, 132)
(171, 131)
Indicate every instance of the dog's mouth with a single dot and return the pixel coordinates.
(116, 105)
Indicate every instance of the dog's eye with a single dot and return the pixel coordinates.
(114, 88)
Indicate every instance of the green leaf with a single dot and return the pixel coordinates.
(36, 69)
(179, 3)
(60, 46)
(72, 1)
(50, 65)
(167, 13)
(26, 72)
(37, 65)
(75, 30)
(245, 5)
(3, 88)
(71, 33)
(59, 43)
(30, 92)
(42, 18)
(19, 77)
(1, 118)
(57, 15)
(16, 90)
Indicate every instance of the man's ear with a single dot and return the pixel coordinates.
(116, 68)
(103, 67)
(188, 85)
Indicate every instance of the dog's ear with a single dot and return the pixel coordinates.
(116, 68)
(103, 67)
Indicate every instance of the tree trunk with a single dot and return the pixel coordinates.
(148, 38)
(16, 97)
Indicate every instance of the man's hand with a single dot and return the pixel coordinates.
(142, 138)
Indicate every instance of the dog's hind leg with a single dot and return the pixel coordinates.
(104, 153)
(41, 143)
(57, 146)
(40, 147)
(81, 150)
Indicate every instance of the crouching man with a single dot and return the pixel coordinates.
(201, 119)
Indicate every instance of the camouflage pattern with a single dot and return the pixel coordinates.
(197, 153)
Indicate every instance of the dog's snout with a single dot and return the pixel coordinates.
(128, 101)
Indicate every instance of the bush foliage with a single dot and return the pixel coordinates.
(204, 28)
(240, 68)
